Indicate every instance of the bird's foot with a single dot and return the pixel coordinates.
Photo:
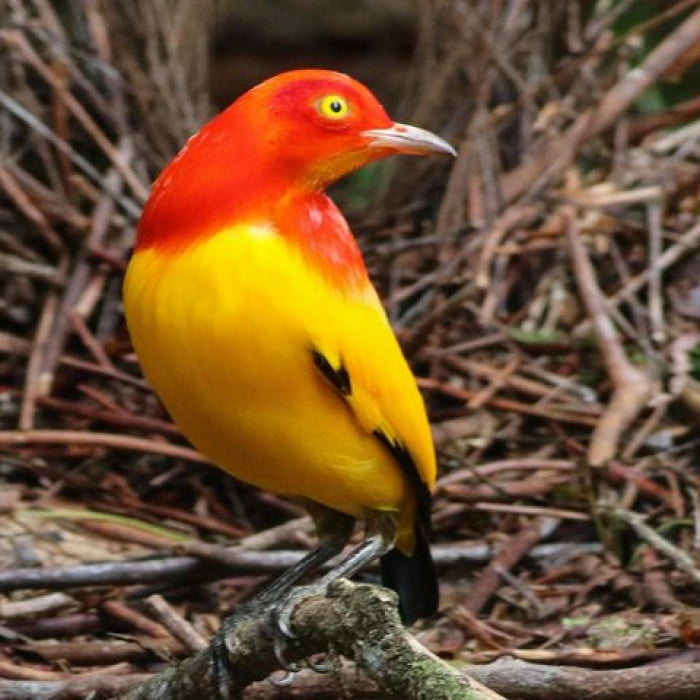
(283, 610)
(279, 616)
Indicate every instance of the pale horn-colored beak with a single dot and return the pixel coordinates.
(404, 138)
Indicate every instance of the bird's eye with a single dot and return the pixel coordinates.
(333, 107)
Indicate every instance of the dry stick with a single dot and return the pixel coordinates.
(135, 619)
(38, 605)
(14, 344)
(656, 308)
(528, 681)
(506, 465)
(77, 320)
(100, 652)
(678, 556)
(11, 670)
(359, 622)
(554, 413)
(14, 265)
(124, 419)
(510, 554)
(35, 384)
(65, 626)
(632, 387)
(279, 534)
(74, 688)
(511, 218)
(175, 623)
(82, 267)
(63, 147)
(512, 677)
(688, 242)
(496, 383)
(557, 513)
(16, 438)
(24, 203)
(235, 560)
(615, 101)
(514, 381)
(505, 490)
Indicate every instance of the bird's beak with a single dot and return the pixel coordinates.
(404, 138)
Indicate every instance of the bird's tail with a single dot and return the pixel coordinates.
(413, 578)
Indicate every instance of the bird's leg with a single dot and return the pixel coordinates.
(379, 539)
(373, 547)
(310, 562)
(334, 530)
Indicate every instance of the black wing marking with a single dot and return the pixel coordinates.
(408, 466)
(337, 376)
(413, 577)
(340, 380)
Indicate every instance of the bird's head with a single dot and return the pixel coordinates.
(295, 133)
(319, 125)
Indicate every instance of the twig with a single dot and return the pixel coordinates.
(16, 438)
(558, 413)
(510, 553)
(632, 387)
(134, 619)
(687, 243)
(656, 309)
(235, 560)
(175, 623)
(528, 681)
(680, 558)
(74, 688)
(35, 383)
(17, 40)
(38, 605)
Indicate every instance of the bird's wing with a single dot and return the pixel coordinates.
(362, 361)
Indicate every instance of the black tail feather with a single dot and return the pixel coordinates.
(413, 578)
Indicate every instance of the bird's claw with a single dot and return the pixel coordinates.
(282, 612)
(283, 682)
(279, 644)
(319, 667)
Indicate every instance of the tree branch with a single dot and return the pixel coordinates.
(357, 621)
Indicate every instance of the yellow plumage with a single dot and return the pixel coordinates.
(224, 330)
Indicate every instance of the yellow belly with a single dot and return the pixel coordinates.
(224, 335)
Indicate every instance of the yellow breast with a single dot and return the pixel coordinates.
(224, 333)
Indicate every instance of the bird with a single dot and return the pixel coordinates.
(253, 317)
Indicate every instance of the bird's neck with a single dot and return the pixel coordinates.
(191, 203)
(314, 225)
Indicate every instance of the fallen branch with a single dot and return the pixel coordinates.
(527, 681)
(357, 621)
(214, 562)
(93, 685)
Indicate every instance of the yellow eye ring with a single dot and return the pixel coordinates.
(333, 107)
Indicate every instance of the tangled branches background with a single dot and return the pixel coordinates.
(544, 286)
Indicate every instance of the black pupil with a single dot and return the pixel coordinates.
(336, 106)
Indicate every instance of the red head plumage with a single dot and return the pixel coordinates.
(288, 137)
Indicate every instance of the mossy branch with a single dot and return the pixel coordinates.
(357, 621)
